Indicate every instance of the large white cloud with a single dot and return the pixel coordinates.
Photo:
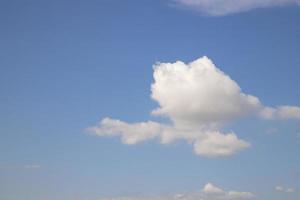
(198, 94)
(209, 192)
(198, 99)
(223, 7)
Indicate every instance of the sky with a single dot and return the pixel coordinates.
(149, 100)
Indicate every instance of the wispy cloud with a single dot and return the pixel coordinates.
(283, 189)
(281, 112)
(221, 7)
(27, 166)
(198, 99)
(209, 192)
(32, 166)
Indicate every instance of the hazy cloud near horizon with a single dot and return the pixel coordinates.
(208, 192)
(283, 189)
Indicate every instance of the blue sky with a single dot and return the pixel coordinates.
(66, 65)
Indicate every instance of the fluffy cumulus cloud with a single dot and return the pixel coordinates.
(129, 133)
(198, 94)
(198, 99)
(209, 192)
(223, 7)
(218, 144)
(211, 189)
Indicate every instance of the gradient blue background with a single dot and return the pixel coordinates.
(64, 65)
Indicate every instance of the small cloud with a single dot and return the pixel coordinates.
(290, 190)
(218, 193)
(283, 189)
(32, 166)
(18, 167)
(281, 113)
(279, 188)
(211, 189)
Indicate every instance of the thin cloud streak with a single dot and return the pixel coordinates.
(221, 7)
(209, 192)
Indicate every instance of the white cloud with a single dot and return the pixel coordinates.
(130, 133)
(205, 143)
(198, 99)
(281, 112)
(240, 195)
(211, 189)
(209, 192)
(221, 7)
(198, 94)
(219, 144)
(279, 188)
(282, 189)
